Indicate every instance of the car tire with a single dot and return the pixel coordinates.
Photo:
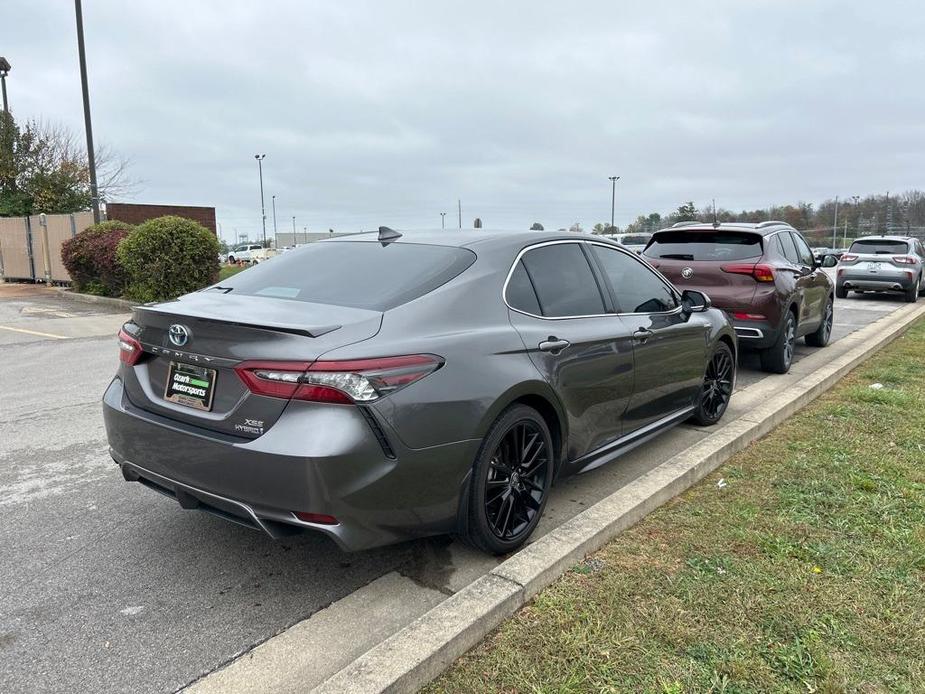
(912, 293)
(841, 292)
(718, 382)
(510, 481)
(778, 357)
(821, 336)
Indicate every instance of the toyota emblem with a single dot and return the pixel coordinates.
(178, 334)
(687, 273)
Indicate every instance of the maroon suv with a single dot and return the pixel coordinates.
(764, 275)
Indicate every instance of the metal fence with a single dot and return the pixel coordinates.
(30, 247)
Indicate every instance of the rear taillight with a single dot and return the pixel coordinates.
(130, 350)
(345, 382)
(761, 273)
(848, 257)
(904, 259)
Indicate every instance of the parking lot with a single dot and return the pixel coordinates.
(110, 587)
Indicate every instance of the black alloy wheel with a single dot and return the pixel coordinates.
(717, 386)
(821, 336)
(511, 481)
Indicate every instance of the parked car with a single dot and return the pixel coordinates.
(634, 242)
(250, 253)
(764, 275)
(882, 264)
(381, 387)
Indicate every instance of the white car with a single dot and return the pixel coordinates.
(250, 253)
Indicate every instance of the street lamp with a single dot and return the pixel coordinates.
(4, 71)
(275, 240)
(613, 198)
(443, 220)
(263, 209)
(91, 157)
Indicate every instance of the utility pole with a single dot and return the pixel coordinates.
(835, 223)
(889, 214)
(275, 240)
(857, 210)
(294, 243)
(4, 71)
(443, 220)
(91, 157)
(613, 198)
(263, 209)
(459, 203)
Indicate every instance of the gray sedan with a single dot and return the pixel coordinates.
(379, 387)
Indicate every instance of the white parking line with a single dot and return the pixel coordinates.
(33, 332)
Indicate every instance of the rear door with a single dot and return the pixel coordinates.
(669, 347)
(574, 338)
(701, 259)
(814, 285)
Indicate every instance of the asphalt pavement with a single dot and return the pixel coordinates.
(108, 587)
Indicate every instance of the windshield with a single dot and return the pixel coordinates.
(879, 246)
(704, 245)
(358, 274)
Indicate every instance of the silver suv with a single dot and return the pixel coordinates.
(882, 264)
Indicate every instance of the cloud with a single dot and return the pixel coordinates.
(387, 112)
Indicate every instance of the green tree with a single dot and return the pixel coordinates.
(687, 212)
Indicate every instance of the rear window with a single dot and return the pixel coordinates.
(704, 245)
(637, 240)
(358, 274)
(881, 246)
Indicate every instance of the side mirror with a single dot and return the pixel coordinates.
(693, 301)
(829, 261)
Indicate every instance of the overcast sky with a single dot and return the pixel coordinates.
(387, 112)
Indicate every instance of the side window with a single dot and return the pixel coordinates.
(520, 293)
(637, 288)
(564, 283)
(806, 255)
(790, 251)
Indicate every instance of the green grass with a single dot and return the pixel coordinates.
(806, 572)
(227, 271)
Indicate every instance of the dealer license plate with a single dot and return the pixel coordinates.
(190, 385)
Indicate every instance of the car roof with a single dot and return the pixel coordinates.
(885, 237)
(472, 238)
(763, 228)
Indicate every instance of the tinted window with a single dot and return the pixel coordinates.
(565, 285)
(637, 288)
(520, 293)
(806, 255)
(357, 274)
(704, 245)
(882, 246)
(789, 249)
(635, 240)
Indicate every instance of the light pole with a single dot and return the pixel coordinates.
(4, 71)
(275, 243)
(91, 158)
(835, 224)
(263, 209)
(294, 244)
(613, 198)
(443, 220)
(857, 210)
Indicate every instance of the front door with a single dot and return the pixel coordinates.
(669, 346)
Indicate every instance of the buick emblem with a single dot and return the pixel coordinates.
(687, 273)
(178, 334)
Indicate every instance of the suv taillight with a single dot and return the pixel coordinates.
(130, 349)
(847, 257)
(904, 259)
(761, 273)
(345, 382)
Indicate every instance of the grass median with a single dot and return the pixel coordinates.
(799, 565)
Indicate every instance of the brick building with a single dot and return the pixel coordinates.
(136, 214)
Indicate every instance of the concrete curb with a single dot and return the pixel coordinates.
(93, 299)
(414, 656)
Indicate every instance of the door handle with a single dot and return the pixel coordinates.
(642, 334)
(553, 344)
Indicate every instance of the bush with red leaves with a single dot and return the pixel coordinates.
(91, 260)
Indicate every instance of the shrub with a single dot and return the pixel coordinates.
(167, 257)
(91, 260)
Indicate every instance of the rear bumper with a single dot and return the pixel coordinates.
(317, 458)
(898, 281)
(754, 334)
